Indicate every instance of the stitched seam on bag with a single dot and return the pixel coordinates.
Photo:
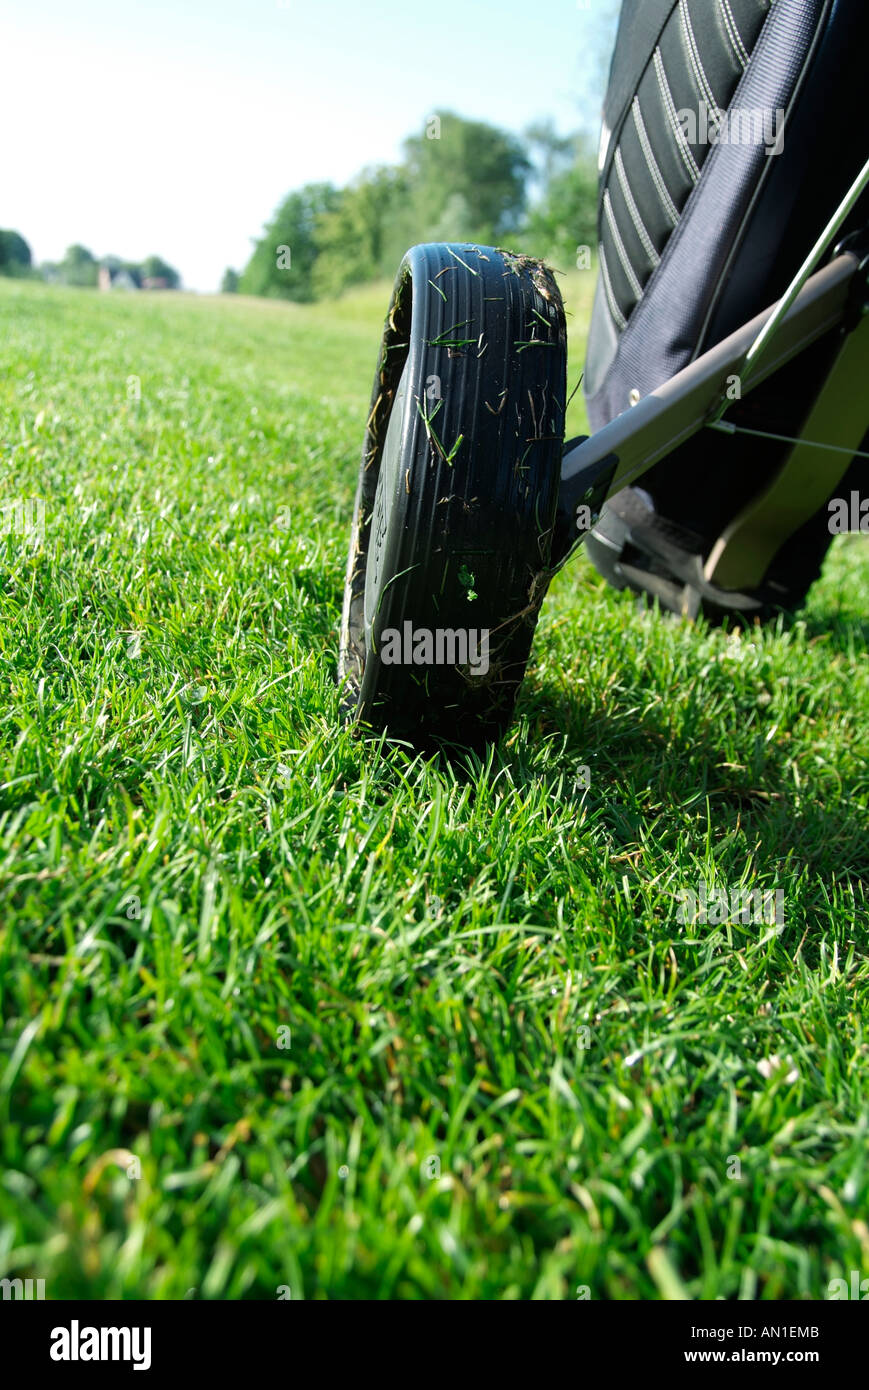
(652, 165)
(615, 312)
(621, 118)
(636, 218)
(733, 33)
(634, 283)
(694, 54)
(670, 106)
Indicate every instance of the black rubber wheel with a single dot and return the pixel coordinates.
(450, 550)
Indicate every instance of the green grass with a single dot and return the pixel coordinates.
(195, 854)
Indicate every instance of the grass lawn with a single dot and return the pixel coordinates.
(283, 1010)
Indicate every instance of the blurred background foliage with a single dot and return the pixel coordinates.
(459, 180)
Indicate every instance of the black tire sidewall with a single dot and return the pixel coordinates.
(468, 526)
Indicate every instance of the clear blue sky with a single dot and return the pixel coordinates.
(177, 128)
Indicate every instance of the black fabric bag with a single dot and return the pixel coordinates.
(731, 130)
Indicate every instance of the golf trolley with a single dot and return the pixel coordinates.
(740, 419)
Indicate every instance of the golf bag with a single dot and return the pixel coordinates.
(730, 129)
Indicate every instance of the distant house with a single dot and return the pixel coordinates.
(155, 282)
(111, 279)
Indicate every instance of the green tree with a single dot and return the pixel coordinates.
(15, 257)
(229, 283)
(78, 267)
(283, 260)
(552, 153)
(469, 173)
(565, 216)
(155, 268)
(357, 240)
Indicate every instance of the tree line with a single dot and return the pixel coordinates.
(81, 268)
(459, 180)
